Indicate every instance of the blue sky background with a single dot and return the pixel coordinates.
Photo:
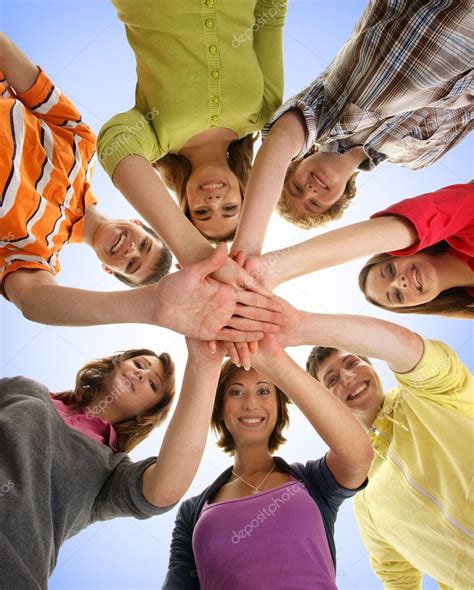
(82, 46)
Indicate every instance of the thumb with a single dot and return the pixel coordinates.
(213, 262)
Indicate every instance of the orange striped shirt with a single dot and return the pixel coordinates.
(46, 159)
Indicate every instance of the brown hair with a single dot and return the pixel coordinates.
(159, 269)
(455, 302)
(318, 355)
(309, 221)
(175, 171)
(92, 376)
(225, 440)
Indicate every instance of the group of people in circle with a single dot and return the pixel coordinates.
(201, 100)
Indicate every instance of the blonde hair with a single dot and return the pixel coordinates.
(225, 440)
(175, 170)
(90, 379)
(336, 210)
(454, 303)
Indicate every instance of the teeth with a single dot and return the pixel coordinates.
(416, 279)
(118, 243)
(212, 186)
(358, 391)
(251, 420)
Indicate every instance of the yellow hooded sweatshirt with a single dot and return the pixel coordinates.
(415, 517)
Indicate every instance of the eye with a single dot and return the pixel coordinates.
(201, 211)
(391, 269)
(137, 364)
(153, 386)
(331, 381)
(398, 296)
(230, 207)
(235, 392)
(142, 245)
(129, 266)
(264, 391)
(352, 363)
(297, 187)
(314, 203)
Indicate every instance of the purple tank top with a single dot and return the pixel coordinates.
(275, 539)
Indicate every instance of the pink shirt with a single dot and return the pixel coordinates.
(91, 426)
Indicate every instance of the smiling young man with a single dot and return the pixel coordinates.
(46, 199)
(414, 515)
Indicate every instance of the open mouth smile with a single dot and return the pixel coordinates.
(318, 181)
(119, 243)
(359, 391)
(212, 185)
(251, 421)
(416, 279)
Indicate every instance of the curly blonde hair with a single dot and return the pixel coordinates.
(309, 221)
(225, 440)
(91, 377)
(175, 171)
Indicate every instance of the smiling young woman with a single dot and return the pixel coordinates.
(260, 498)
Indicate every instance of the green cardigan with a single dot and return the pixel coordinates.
(200, 64)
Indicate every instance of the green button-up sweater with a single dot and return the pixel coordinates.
(200, 64)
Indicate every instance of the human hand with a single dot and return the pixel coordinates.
(263, 269)
(193, 304)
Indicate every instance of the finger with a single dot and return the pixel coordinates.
(231, 335)
(212, 346)
(213, 262)
(246, 325)
(240, 257)
(261, 315)
(244, 354)
(233, 353)
(256, 300)
(253, 347)
(249, 282)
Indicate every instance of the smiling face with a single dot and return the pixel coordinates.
(136, 386)
(316, 184)
(250, 408)
(353, 381)
(214, 200)
(403, 281)
(125, 247)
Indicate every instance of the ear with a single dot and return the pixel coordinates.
(137, 222)
(107, 269)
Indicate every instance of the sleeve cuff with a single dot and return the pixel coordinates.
(146, 508)
(308, 114)
(38, 92)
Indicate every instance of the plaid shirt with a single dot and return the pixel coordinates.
(401, 86)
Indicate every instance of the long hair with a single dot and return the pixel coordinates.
(225, 440)
(93, 375)
(309, 221)
(175, 170)
(455, 302)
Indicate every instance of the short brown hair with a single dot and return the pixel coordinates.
(160, 269)
(224, 437)
(92, 376)
(309, 221)
(455, 302)
(318, 355)
(175, 171)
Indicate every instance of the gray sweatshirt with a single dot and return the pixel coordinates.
(54, 481)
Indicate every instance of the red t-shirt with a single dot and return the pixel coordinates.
(444, 215)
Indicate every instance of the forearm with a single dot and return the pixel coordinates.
(186, 436)
(335, 424)
(19, 71)
(362, 335)
(54, 305)
(137, 180)
(266, 181)
(351, 242)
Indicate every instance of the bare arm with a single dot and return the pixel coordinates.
(19, 70)
(350, 453)
(166, 481)
(382, 234)
(266, 181)
(361, 335)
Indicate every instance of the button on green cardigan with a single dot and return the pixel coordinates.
(200, 64)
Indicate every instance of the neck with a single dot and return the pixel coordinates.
(251, 460)
(93, 218)
(106, 413)
(209, 147)
(453, 272)
(354, 157)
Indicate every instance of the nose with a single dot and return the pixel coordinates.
(250, 402)
(347, 376)
(400, 280)
(138, 374)
(131, 250)
(310, 190)
(213, 197)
